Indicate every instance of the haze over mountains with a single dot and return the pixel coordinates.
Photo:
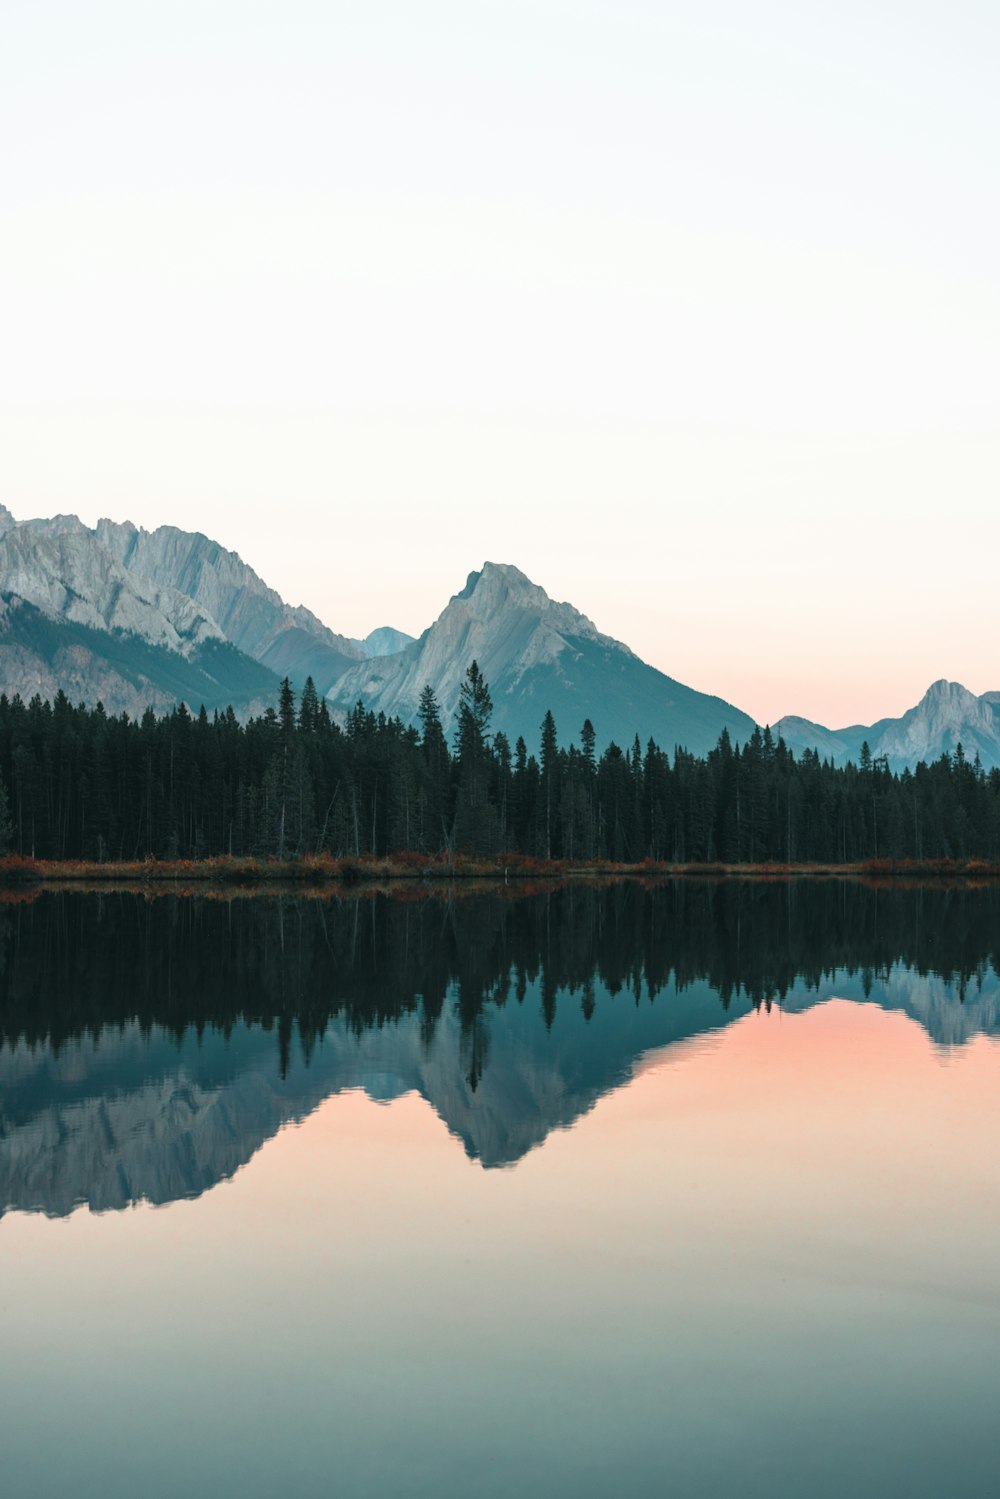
(140, 618)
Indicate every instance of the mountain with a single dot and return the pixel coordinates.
(138, 618)
(72, 619)
(384, 641)
(947, 715)
(44, 656)
(288, 639)
(538, 654)
(67, 575)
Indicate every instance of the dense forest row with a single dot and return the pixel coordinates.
(78, 783)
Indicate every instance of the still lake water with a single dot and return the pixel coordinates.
(692, 1190)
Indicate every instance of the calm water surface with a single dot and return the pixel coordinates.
(690, 1190)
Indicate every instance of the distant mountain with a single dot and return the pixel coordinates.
(138, 618)
(384, 641)
(538, 654)
(135, 618)
(44, 656)
(72, 619)
(946, 716)
(253, 617)
(68, 575)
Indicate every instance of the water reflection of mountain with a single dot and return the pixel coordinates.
(147, 1049)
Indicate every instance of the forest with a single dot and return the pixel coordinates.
(79, 783)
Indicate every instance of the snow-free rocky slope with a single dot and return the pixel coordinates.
(537, 654)
(948, 715)
(288, 639)
(72, 619)
(135, 618)
(138, 618)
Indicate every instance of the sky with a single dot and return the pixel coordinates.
(691, 310)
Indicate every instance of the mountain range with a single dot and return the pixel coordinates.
(948, 715)
(138, 618)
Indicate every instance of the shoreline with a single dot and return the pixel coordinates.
(17, 872)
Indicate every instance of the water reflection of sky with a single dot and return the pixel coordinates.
(766, 1265)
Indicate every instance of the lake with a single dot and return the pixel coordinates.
(684, 1189)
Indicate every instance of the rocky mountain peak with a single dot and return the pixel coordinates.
(948, 715)
(175, 590)
(498, 582)
(944, 693)
(536, 654)
(500, 587)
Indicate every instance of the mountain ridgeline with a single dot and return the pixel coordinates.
(133, 619)
(538, 655)
(947, 716)
(82, 784)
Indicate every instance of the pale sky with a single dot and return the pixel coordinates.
(691, 310)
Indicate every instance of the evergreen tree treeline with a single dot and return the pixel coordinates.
(80, 783)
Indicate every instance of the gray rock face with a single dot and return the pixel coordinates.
(44, 656)
(538, 654)
(253, 617)
(66, 575)
(74, 619)
(111, 590)
(948, 715)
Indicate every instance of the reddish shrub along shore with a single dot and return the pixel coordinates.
(320, 868)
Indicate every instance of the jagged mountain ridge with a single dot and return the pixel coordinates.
(289, 639)
(65, 575)
(73, 619)
(103, 614)
(168, 588)
(948, 715)
(122, 602)
(538, 654)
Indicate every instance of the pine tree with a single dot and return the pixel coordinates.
(309, 708)
(550, 770)
(475, 821)
(286, 708)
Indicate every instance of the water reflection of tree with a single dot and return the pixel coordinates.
(74, 964)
